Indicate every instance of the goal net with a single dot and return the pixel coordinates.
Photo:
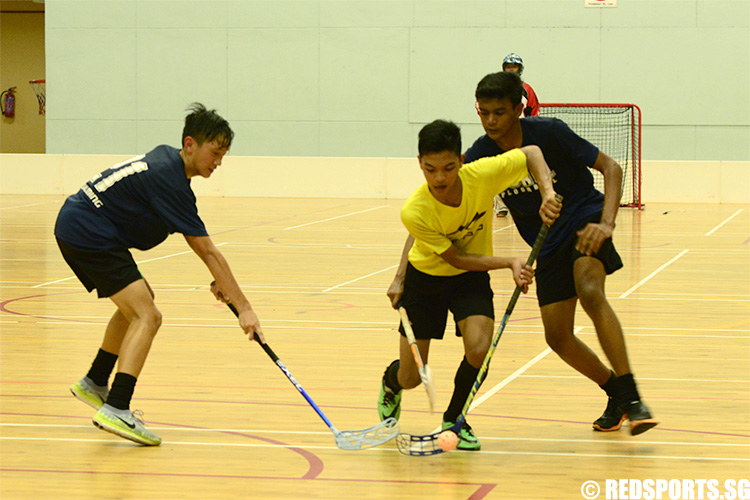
(616, 130)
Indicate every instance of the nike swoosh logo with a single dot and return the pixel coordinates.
(132, 426)
(390, 415)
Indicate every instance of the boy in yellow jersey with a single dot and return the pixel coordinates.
(450, 218)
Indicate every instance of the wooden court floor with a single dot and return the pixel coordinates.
(316, 272)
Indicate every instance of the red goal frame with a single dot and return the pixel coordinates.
(632, 177)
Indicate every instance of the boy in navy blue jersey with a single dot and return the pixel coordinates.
(578, 253)
(137, 204)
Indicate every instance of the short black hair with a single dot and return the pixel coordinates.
(439, 136)
(502, 85)
(205, 125)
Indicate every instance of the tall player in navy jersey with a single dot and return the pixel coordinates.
(578, 253)
(137, 204)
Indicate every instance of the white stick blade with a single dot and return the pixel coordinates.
(367, 438)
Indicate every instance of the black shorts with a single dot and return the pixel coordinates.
(427, 299)
(554, 276)
(109, 271)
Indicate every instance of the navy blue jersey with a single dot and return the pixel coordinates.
(135, 204)
(568, 156)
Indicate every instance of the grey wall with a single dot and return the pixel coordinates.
(360, 77)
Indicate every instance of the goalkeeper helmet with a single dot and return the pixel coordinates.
(513, 59)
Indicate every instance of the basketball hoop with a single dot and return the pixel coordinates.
(39, 90)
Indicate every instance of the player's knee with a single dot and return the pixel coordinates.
(590, 295)
(477, 339)
(475, 354)
(151, 318)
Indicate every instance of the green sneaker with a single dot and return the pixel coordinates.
(389, 402)
(467, 440)
(125, 424)
(90, 393)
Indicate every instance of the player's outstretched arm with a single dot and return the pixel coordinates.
(396, 290)
(550, 208)
(226, 287)
(523, 275)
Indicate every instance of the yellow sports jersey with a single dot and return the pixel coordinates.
(436, 226)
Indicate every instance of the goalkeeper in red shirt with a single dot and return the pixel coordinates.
(514, 64)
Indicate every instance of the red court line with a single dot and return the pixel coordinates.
(482, 492)
(482, 488)
(313, 473)
(315, 464)
(4, 309)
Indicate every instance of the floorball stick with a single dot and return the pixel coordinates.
(345, 440)
(424, 371)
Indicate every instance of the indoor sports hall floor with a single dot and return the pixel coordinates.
(316, 271)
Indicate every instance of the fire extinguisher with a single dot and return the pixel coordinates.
(8, 100)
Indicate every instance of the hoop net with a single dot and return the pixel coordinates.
(39, 90)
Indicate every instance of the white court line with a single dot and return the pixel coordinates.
(510, 378)
(334, 218)
(515, 375)
(178, 325)
(213, 322)
(373, 290)
(711, 380)
(358, 279)
(503, 228)
(625, 443)
(644, 280)
(53, 282)
(725, 221)
(601, 455)
(139, 263)
(31, 205)
(172, 428)
(574, 455)
(184, 443)
(324, 326)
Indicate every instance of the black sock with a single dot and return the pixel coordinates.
(463, 382)
(627, 388)
(122, 391)
(611, 387)
(102, 367)
(391, 376)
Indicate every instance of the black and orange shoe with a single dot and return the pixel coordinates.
(612, 418)
(640, 417)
